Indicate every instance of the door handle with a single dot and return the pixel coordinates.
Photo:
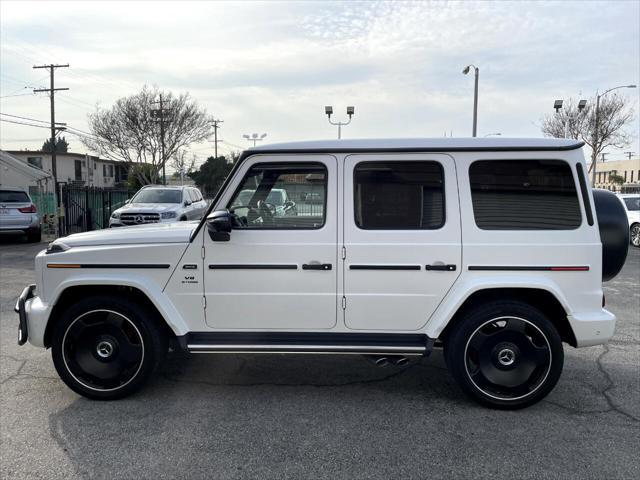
(441, 267)
(316, 266)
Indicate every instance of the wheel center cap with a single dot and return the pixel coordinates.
(104, 349)
(506, 357)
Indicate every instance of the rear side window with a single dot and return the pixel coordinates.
(398, 195)
(524, 195)
(11, 196)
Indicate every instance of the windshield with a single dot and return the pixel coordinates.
(158, 195)
(8, 196)
(633, 203)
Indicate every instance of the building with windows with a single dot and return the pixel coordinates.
(629, 170)
(77, 168)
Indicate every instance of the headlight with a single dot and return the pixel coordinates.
(57, 247)
(115, 214)
(169, 214)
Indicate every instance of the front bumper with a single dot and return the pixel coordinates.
(23, 328)
(592, 328)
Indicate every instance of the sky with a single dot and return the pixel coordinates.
(271, 67)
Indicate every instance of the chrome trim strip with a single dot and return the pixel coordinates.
(270, 348)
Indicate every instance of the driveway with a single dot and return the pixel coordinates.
(253, 416)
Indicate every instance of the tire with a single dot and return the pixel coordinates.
(34, 237)
(505, 354)
(106, 348)
(634, 235)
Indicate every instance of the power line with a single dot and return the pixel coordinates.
(24, 118)
(22, 123)
(18, 95)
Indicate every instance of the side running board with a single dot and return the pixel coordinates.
(320, 343)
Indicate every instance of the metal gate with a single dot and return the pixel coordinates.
(89, 208)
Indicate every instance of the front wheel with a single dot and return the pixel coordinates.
(505, 355)
(635, 234)
(105, 348)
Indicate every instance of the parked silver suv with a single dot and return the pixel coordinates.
(18, 213)
(160, 204)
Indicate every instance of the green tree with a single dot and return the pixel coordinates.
(137, 172)
(616, 179)
(62, 146)
(211, 174)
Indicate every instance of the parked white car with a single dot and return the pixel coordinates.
(160, 204)
(488, 247)
(19, 213)
(631, 202)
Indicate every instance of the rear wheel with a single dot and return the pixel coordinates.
(106, 348)
(505, 355)
(635, 234)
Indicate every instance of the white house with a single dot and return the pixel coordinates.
(76, 168)
(16, 173)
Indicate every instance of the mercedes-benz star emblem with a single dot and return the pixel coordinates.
(506, 357)
(139, 219)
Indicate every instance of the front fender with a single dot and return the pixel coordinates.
(153, 291)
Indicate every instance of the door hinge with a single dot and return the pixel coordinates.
(344, 303)
(202, 252)
(204, 302)
(344, 252)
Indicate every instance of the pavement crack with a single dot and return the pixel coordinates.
(611, 384)
(18, 372)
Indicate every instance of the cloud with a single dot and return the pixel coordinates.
(273, 66)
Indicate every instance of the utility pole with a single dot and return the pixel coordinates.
(51, 90)
(160, 117)
(629, 154)
(215, 135)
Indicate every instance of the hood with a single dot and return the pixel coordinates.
(148, 207)
(179, 232)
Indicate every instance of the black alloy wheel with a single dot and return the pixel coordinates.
(106, 349)
(505, 355)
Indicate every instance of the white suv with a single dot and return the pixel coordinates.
(631, 202)
(490, 248)
(160, 204)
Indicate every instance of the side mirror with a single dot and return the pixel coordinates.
(187, 203)
(219, 224)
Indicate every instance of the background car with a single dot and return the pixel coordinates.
(18, 213)
(631, 203)
(160, 204)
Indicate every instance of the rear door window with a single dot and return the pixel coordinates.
(524, 195)
(399, 195)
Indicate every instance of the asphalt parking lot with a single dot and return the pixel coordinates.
(207, 416)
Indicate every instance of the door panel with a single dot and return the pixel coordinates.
(257, 280)
(402, 238)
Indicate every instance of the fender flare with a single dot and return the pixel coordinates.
(154, 293)
(464, 289)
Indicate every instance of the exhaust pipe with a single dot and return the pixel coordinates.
(399, 361)
(378, 361)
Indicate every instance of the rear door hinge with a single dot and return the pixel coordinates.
(344, 252)
(344, 303)
(204, 302)
(202, 252)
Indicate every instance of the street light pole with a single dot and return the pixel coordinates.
(328, 110)
(475, 96)
(597, 130)
(254, 138)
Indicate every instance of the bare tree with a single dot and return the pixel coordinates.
(183, 165)
(130, 132)
(614, 112)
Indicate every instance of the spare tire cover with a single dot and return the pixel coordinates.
(614, 232)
